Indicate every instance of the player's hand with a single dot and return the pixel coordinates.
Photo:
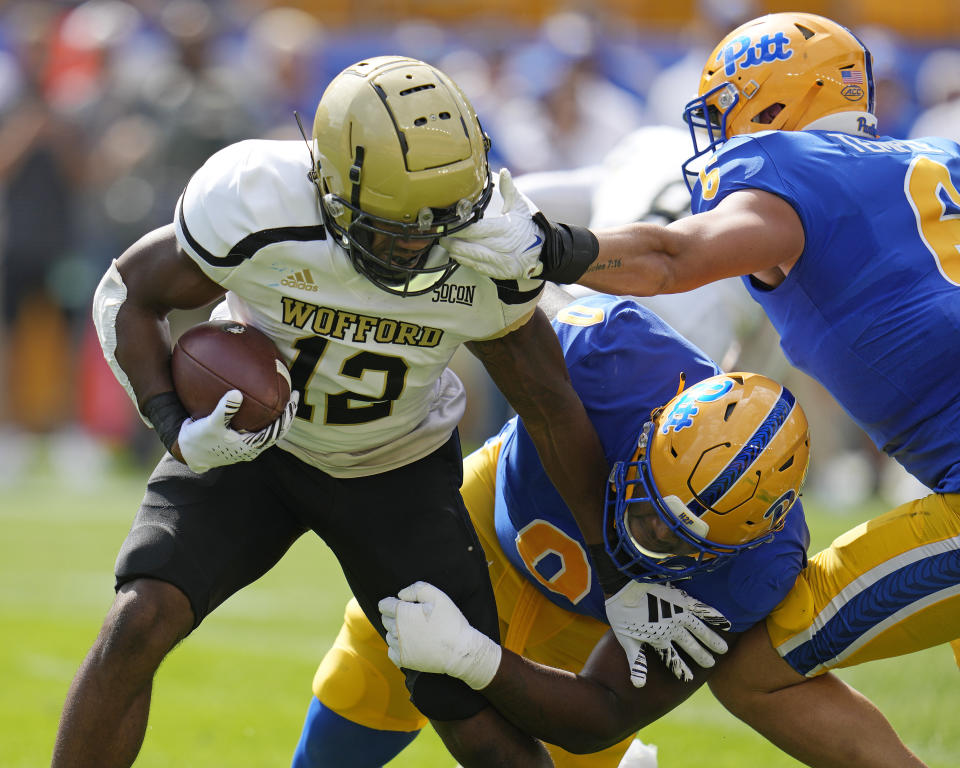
(664, 618)
(426, 631)
(505, 247)
(210, 442)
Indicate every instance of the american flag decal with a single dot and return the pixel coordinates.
(851, 76)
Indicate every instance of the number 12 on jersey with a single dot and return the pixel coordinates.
(341, 407)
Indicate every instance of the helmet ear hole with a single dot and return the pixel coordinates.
(767, 115)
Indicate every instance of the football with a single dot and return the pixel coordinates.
(214, 357)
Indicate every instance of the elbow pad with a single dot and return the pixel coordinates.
(567, 251)
(107, 300)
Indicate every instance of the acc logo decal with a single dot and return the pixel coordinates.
(852, 93)
(681, 414)
(742, 52)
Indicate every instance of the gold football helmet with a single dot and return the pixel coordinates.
(401, 160)
(784, 71)
(721, 464)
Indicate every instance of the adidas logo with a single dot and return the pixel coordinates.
(659, 609)
(301, 280)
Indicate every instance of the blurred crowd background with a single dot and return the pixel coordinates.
(108, 106)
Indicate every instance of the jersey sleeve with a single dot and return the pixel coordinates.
(517, 300)
(782, 163)
(743, 162)
(206, 221)
(236, 193)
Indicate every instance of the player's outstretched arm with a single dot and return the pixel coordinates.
(581, 713)
(528, 367)
(821, 721)
(592, 710)
(749, 232)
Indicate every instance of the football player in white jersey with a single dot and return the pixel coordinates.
(332, 250)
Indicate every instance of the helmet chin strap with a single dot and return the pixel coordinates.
(689, 521)
(354, 175)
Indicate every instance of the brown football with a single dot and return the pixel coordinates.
(214, 357)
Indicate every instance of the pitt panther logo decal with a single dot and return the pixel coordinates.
(778, 510)
(680, 416)
(743, 53)
(864, 126)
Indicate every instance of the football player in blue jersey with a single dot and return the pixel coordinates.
(850, 241)
(702, 495)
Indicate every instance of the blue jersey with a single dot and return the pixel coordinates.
(624, 362)
(872, 307)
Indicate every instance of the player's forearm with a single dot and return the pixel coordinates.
(154, 278)
(576, 713)
(528, 367)
(143, 351)
(634, 260)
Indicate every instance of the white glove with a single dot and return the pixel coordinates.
(505, 247)
(210, 442)
(426, 631)
(664, 617)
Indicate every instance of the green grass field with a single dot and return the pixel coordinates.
(235, 693)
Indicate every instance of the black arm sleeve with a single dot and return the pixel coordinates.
(167, 414)
(567, 252)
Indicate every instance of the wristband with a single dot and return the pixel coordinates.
(610, 579)
(167, 414)
(567, 251)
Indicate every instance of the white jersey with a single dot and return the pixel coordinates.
(371, 367)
